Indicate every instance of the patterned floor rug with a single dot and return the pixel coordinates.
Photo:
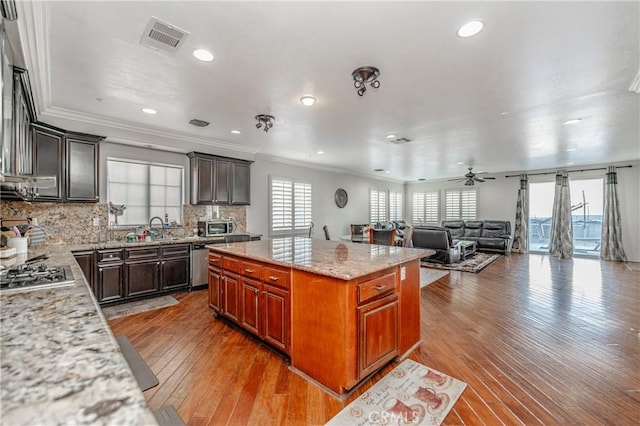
(476, 263)
(113, 312)
(411, 394)
(428, 276)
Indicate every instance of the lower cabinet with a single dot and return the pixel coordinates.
(253, 295)
(136, 272)
(378, 328)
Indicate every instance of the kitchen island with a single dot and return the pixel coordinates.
(60, 362)
(340, 311)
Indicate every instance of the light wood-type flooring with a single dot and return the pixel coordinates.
(538, 340)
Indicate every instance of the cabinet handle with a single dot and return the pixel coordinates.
(273, 278)
(157, 263)
(380, 287)
(249, 271)
(99, 269)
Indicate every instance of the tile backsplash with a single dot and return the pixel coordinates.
(72, 223)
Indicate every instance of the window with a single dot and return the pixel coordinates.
(146, 189)
(396, 206)
(461, 204)
(377, 206)
(290, 206)
(426, 207)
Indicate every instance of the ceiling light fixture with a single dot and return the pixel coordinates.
(391, 136)
(149, 111)
(236, 132)
(573, 121)
(264, 120)
(571, 149)
(308, 100)
(203, 55)
(364, 75)
(320, 152)
(470, 29)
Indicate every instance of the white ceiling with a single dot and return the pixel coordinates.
(497, 101)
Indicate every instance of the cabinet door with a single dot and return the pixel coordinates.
(214, 289)
(203, 187)
(48, 159)
(250, 305)
(276, 326)
(82, 170)
(378, 334)
(86, 261)
(175, 273)
(230, 290)
(142, 278)
(222, 182)
(110, 282)
(241, 184)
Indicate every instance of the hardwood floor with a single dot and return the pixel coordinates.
(538, 341)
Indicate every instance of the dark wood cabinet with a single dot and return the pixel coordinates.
(142, 271)
(110, 276)
(86, 261)
(241, 183)
(219, 180)
(82, 155)
(48, 160)
(175, 266)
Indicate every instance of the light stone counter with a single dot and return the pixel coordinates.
(59, 361)
(345, 261)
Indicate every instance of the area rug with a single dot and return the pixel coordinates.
(113, 312)
(411, 394)
(428, 275)
(476, 263)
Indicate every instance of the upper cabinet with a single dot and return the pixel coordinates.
(72, 158)
(219, 180)
(81, 167)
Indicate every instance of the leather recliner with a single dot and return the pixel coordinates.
(438, 239)
(489, 235)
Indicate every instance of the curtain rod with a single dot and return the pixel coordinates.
(569, 171)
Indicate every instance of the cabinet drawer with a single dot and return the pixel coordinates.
(176, 250)
(274, 276)
(215, 259)
(231, 264)
(109, 256)
(142, 253)
(377, 287)
(250, 269)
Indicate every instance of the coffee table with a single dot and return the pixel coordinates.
(467, 248)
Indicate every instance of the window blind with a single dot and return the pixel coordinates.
(377, 206)
(396, 205)
(461, 204)
(426, 207)
(291, 205)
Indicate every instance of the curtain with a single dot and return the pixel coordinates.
(521, 232)
(611, 240)
(561, 222)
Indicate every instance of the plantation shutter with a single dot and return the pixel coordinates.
(432, 207)
(396, 206)
(418, 207)
(290, 205)
(378, 206)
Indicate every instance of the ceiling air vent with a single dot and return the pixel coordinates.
(399, 141)
(199, 123)
(160, 35)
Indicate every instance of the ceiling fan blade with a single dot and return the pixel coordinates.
(477, 179)
(456, 180)
(488, 177)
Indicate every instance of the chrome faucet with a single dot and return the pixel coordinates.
(161, 224)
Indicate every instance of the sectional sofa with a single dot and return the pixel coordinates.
(490, 235)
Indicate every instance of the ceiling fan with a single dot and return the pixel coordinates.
(470, 177)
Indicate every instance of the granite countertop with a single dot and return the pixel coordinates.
(165, 241)
(60, 363)
(344, 260)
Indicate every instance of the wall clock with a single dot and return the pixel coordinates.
(341, 197)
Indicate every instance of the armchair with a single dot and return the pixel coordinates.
(438, 239)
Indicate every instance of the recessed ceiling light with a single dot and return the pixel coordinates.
(308, 100)
(391, 136)
(504, 113)
(320, 152)
(387, 171)
(149, 111)
(236, 132)
(459, 163)
(573, 121)
(203, 55)
(570, 163)
(570, 149)
(470, 29)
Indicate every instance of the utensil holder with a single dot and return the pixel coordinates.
(20, 244)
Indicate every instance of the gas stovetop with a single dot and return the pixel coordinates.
(26, 277)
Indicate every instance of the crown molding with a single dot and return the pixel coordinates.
(95, 120)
